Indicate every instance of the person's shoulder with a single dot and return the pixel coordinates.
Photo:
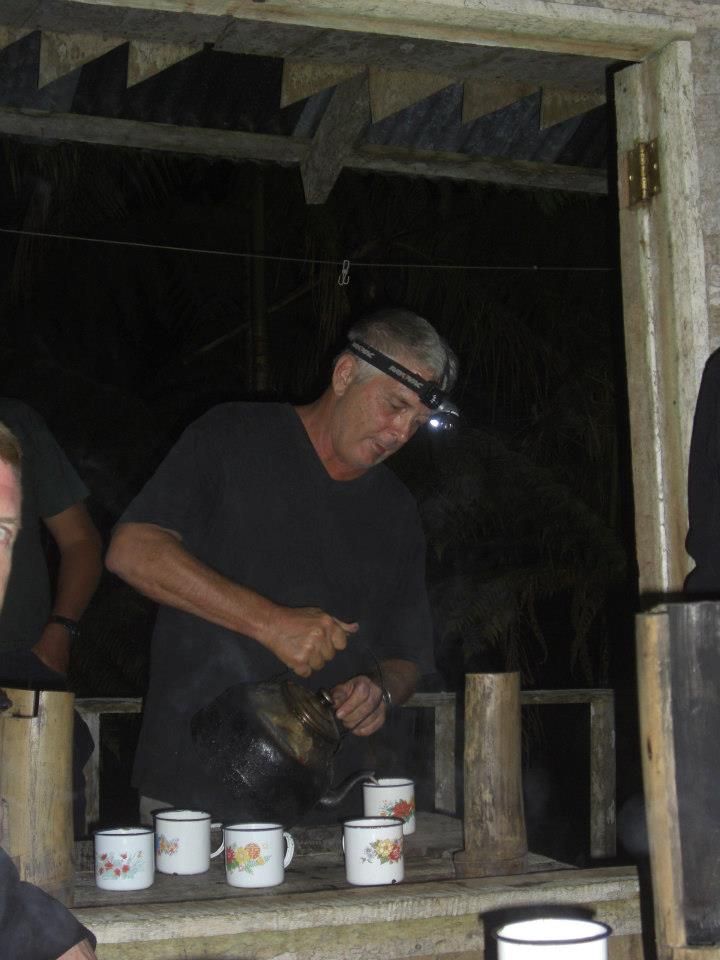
(17, 414)
(713, 361)
(241, 421)
(244, 413)
(26, 423)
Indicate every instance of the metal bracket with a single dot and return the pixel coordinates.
(643, 172)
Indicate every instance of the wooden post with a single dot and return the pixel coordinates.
(678, 646)
(36, 788)
(494, 818)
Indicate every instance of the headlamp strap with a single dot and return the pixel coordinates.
(430, 393)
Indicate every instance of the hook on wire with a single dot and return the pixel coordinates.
(344, 277)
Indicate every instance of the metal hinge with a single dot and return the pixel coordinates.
(643, 172)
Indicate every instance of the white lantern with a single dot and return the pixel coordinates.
(553, 938)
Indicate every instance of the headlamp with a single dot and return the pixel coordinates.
(445, 414)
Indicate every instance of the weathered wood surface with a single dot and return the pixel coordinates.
(239, 145)
(602, 777)
(536, 24)
(340, 129)
(679, 670)
(494, 836)
(36, 788)
(659, 779)
(316, 915)
(664, 306)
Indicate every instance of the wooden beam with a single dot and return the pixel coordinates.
(532, 24)
(526, 174)
(341, 126)
(238, 145)
(481, 98)
(147, 59)
(10, 35)
(394, 90)
(665, 306)
(61, 53)
(142, 135)
(301, 79)
(559, 105)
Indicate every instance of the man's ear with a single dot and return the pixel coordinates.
(343, 374)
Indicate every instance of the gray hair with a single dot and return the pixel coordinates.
(400, 333)
(10, 451)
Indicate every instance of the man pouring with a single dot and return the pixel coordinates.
(274, 538)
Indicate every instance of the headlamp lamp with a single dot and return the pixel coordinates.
(445, 414)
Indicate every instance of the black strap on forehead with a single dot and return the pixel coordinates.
(430, 393)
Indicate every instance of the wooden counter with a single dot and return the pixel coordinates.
(317, 915)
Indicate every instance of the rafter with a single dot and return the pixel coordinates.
(238, 145)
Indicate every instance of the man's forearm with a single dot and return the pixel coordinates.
(78, 576)
(400, 678)
(155, 562)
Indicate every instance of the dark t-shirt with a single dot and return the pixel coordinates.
(247, 493)
(703, 539)
(49, 486)
(33, 925)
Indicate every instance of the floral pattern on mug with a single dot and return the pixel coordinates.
(386, 851)
(121, 866)
(165, 845)
(245, 858)
(400, 809)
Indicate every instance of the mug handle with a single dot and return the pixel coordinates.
(290, 849)
(222, 844)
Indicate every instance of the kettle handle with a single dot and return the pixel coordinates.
(324, 694)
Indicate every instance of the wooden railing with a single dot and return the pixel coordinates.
(602, 751)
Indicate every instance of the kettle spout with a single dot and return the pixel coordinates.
(335, 794)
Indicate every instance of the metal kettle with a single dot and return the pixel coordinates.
(271, 747)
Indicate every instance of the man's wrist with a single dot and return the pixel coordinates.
(72, 626)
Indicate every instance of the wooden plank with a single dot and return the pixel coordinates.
(10, 35)
(91, 770)
(558, 105)
(434, 917)
(445, 765)
(694, 651)
(532, 24)
(602, 778)
(341, 126)
(664, 306)
(580, 695)
(146, 59)
(525, 174)
(200, 141)
(238, 145)
(301, 79)
(659, 776)
(395, 90)
(481, 97)
(61, 53)
(696, 953)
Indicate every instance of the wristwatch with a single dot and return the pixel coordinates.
(72, 626)
(387, 699)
